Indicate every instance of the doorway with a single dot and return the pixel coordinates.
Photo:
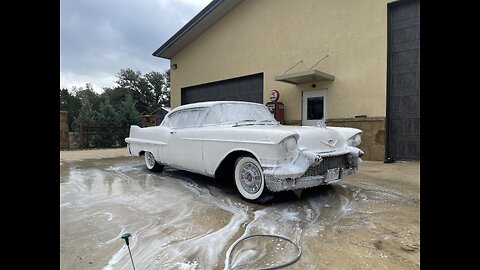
(314, 107)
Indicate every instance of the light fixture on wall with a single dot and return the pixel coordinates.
(174, 66)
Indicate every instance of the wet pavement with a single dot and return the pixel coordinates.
(180, 220)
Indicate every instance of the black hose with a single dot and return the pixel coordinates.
(232, 247)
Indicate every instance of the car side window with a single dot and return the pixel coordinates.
(173, 119)
(187, 118)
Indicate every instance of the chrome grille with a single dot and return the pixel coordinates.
(326, 164)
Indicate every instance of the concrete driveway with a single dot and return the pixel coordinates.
(180, 220)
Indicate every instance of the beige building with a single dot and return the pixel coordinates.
(353, 63)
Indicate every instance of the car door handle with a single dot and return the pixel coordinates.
(173, 132)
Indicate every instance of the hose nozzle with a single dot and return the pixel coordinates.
(125, 237)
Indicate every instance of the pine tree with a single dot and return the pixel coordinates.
(72, 105)
(128, 114)
(107, 118)
(86, 115)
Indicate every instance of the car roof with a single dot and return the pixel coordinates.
(209, 104)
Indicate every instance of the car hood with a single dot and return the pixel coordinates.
(312, 138)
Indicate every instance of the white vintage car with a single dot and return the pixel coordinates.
(242, 141)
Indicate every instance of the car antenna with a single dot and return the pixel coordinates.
(125, 237)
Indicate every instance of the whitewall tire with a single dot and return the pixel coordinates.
(151, 163)
(249, 180)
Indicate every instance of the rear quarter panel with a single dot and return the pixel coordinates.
(151, 139)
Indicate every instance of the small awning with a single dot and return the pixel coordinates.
(305, 77)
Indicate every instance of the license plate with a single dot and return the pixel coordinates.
(333, 174)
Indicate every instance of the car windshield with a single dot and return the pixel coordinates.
(239, 113)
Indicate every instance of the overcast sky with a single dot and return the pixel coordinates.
(100, 37)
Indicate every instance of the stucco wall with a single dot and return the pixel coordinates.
(271, 36)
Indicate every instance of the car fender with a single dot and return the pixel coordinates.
(211, 165)
(347, 131)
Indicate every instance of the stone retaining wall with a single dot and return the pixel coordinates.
(373, 138)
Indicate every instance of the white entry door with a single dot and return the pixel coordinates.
(314, 107)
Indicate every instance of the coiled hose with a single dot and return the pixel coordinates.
(232, 247)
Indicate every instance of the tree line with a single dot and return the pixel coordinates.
(119, 106)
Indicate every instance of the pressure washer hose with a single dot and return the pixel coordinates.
(232, 247)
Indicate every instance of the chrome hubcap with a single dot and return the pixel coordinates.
(150, 159)
(250, 178)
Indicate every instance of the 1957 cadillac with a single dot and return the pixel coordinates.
(241, 141)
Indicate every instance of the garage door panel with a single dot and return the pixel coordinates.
(410, 10)
(406, 46)
(407, 91)
(417, 150)
(406, 69)
(403, 115)
(404, 107)
(408, 26)
(406, 34)
(247, 88)
(405, 84)
(405, 150)
(406, 58)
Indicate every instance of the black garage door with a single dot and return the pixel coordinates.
(403, 89)
(246, 88)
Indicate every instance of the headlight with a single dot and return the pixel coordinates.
(290, 144)
(355, 140)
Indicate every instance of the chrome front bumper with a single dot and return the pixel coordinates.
(312, 169)
(275, 184)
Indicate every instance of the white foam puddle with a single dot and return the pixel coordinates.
(169, 239)
(380, 193)
(186, 224)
